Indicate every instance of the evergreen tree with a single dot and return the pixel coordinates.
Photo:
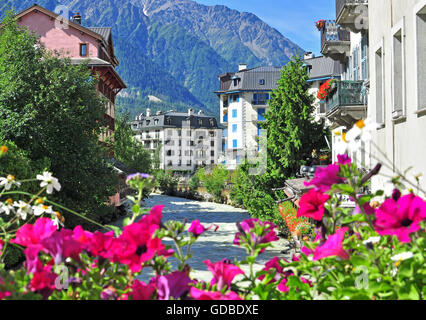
(292, 132)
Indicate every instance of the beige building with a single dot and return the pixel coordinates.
(397, 31)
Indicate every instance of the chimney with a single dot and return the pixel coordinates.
(201, 112)
(242, 67)
(148, 112)
(77, 18)
(190, 112)
(309, 55)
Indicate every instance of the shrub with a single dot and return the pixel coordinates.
(167, 182)
(214, 182)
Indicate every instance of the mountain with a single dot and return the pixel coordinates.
(173, 50)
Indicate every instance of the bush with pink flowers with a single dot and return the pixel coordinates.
(375, 252)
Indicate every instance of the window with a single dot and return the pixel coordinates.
(262, 82)
(83, 49)
(364, 57)
(211, 143)
(180, 133)
(234, 113)
(234, 128)
(355, 60)
(421, 57)
(238, 159)
(398, 73)
(235, 143)
(211, 121)
(260, 98)
(261, 114)
(179, 163)
(200, 122)
(169, 133)
(189, 163)
(180, 143)
(156, 121)
(188, 133)
(379, 87)
(211, 133)
(234, 98)
(180, 153)
(235, 82)
(148, 122)
(212, 153)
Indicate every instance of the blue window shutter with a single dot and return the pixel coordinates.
(234, 128)
(234, 143)
(234, 113)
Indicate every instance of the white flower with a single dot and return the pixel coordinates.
(41, 209)
(402, 256)
(361, 132)
(58, 219)
(23, 209)
(371, 240)
(49, 182)
(8, 182)
(7, 207)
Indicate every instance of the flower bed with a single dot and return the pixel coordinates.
(375, 252)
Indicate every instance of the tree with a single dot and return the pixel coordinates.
(215, 181)
(50, 109)
(127, 149)
(292, 132)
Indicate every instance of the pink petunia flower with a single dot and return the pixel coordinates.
(31, 235)
(343, 159)
(197, 229)
(43, 282)
(142, 291)
(400, 218)
(275, 265)
(61, 245)
(4, 294)
(325, 178)
(1, 245)
(247, 227)
(198, 294)
(137, 243)
(312, 205)
(173, 285)
(369, 210)
(332, 246)
(223, 272)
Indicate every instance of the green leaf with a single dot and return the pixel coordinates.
(408, 292)
(117, 230)
(355, 218)
(126, 222)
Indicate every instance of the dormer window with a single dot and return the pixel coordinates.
(200, 122)
(148, 122)
(83, 49)
(262, 82)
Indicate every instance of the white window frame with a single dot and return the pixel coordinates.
(377, 47)
(399, 27)
(417, 8)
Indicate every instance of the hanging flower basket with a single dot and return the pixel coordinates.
(320, 24)
(326, 88)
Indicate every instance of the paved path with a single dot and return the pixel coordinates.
(211, 245)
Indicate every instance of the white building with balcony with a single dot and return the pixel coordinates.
(185, 140)
(244, 99)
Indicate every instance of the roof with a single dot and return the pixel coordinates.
(323, 67)
(105, 32)
(250, 79)
(175, 120)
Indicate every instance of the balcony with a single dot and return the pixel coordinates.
(352, 14)
(346, 103)
(335, 42)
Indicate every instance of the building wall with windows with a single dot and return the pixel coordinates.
(398, 86)
(185, 140)
(244, 99)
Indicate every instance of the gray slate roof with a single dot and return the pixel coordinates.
(105, 32)
(250, 79)
(322, 67)
(174, 120)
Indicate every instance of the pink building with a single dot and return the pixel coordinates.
(79, 43)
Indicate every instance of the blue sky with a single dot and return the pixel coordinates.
(295, 19)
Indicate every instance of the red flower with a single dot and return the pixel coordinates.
(312, 204)
(198, 294)
(401, 217)
(223, 273)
